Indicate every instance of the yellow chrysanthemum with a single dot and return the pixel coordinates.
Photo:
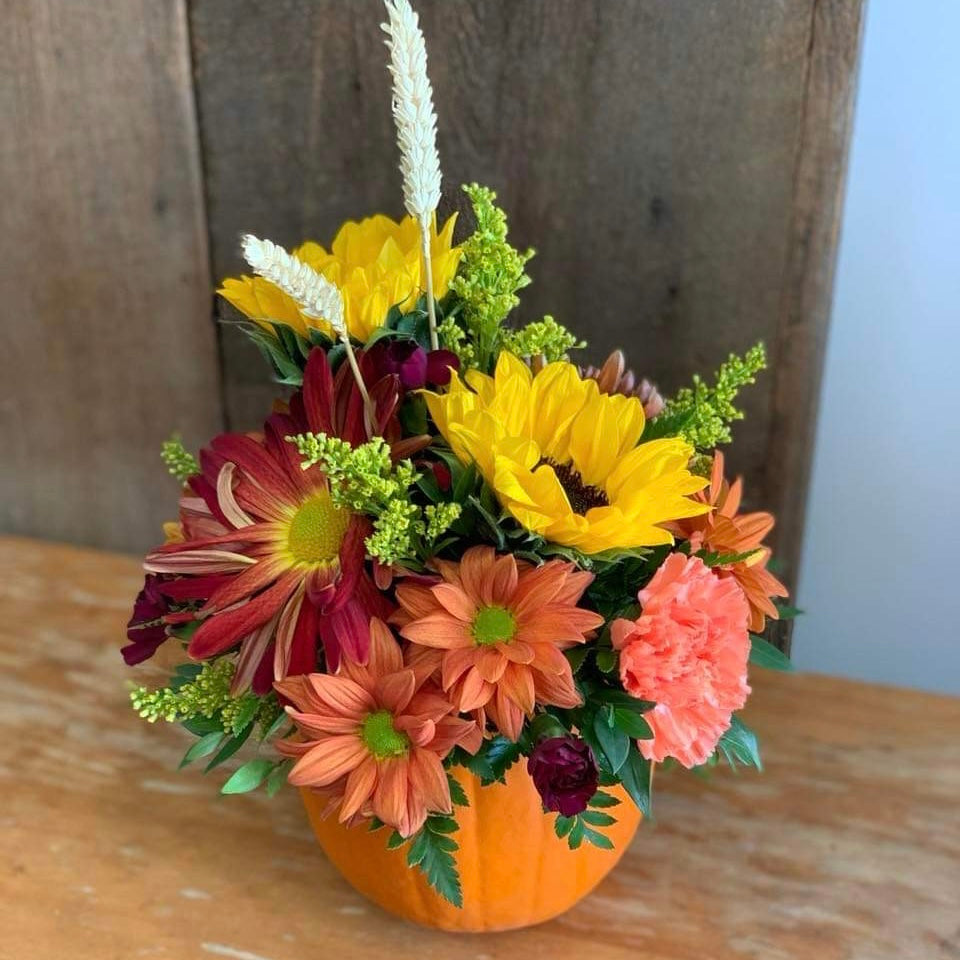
(376, 263)
(563, 458)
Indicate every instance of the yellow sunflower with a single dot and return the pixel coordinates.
(376, 263)
(563, 458)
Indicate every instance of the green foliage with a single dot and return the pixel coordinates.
(765, 654)
(491, 272)
(180, 462)
(581, 827)
(431, 851)
(739, 745)
(703, 413)
(545, 338)
(491, 762)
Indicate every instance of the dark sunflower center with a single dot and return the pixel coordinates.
(582, 496)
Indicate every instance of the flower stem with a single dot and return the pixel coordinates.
(428, 273)
(368, 411)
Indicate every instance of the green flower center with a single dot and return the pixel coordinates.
(494, 625)
(380, 737)
(317, 530)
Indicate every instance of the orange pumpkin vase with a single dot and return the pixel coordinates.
(514, 870)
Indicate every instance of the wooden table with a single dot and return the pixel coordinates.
(848, 847)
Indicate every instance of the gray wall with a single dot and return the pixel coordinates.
(880, 569)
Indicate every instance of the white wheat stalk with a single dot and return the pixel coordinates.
(416, 124)
(316, 296)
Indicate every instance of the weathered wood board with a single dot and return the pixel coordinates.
(106, 340)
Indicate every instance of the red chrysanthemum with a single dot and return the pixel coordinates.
(277, 565)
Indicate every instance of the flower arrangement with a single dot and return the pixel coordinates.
(451, 546)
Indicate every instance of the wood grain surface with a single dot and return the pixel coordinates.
(106, 340)
(847, 848)
(679, 167)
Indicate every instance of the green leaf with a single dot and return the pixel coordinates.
(439, 824)
(431, 851)
(787, 612)
(597, 839)
(576, 656)
(545, 725)
(724, 559)
(464, 483)
(739, 745)
(601, 799)
(203, 747)
(613, 741)
(618, 697)
(457, 794)
(248, 777)
(607, 660)
(395, 840)
(765, 654)
(597, 819)
(229, 748)
(575, 837)
(635, 778)
(201, 726)
(501, 754)
(563, 825)
(632, 724)
(276, 726)
(246, 713)
(278, 777)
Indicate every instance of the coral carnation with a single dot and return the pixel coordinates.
(687, 652)
(374, 737)
(495, 628)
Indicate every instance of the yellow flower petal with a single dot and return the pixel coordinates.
(375, 262)
(563, 458)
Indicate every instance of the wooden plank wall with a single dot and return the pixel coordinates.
(107, 342)
(678, 166)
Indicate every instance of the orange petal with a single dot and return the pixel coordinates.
(394, 690)
(359, 788)
(474, 691)
(341, 694)
(385, 653)
(428, 781)
(491, 664)
(328, 761)
(517, 684)
(438, 630)
(455, 601)
(390, 795)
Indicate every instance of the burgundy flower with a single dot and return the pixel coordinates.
(415, 367)
(565, 774)
(146, 630)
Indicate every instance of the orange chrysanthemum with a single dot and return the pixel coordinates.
(687, 652)
(374, 737)
(495, 628)
(725, 531)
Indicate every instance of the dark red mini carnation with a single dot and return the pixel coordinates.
(146, 630)
(565, 774)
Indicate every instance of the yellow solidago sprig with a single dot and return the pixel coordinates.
(180, 462)
(545, 339)
(564, 459)
(704, 413)
(206, 694)
(491, 273)
(364, 479)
